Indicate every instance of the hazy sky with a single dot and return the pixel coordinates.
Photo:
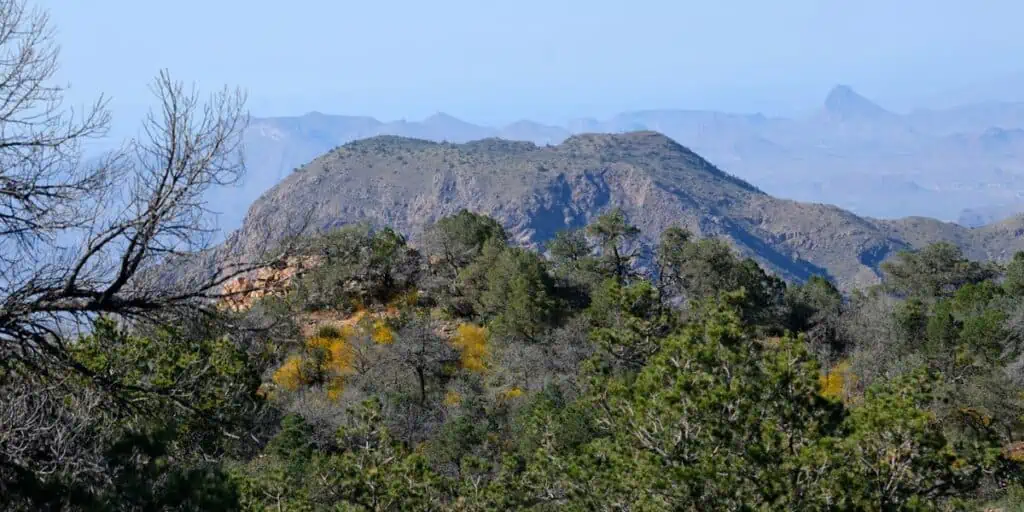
(549, 60)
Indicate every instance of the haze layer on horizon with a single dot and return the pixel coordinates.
(495, 63)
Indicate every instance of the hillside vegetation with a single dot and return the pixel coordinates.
(474, 374)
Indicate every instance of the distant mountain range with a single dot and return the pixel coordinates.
(963, 164)
(536, 191)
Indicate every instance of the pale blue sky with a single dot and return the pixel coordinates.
(495, 62)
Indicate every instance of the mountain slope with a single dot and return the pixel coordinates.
(536, 191)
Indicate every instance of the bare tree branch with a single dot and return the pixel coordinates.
(116, 237)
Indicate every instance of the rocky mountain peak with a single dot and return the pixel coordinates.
(845, 103)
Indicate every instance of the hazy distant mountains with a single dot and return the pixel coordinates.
(964, 163)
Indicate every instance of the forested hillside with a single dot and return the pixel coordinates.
(473, 374)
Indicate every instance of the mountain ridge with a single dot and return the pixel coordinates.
(935, 163)
(535, 191)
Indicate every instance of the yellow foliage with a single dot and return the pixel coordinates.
(382, 334)
(327, 357)
(335, 388)
(452, 398)
(834, 382)
(512, 392)
(290, 375)
(408, 299)
(320, 342)
(337, 351)
(471, 340)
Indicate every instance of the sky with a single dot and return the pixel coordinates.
(550, 60)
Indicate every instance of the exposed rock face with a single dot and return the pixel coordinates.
(537, 191)
(242, 291)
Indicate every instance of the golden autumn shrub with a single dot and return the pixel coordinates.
(471, 340)
(327, 359)
(290, 375)
(381, 333)
(452, 398)
(335, 388)
(336, 354)
(512, 393)
(834, 382)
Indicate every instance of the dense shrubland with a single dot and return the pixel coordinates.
(469, 374)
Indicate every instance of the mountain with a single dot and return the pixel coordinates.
(978, 217)
(969, 118)
(536, 191)
(275, 147)
(945, 163)
(442, 127)
(844, 104)
(534, 132)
